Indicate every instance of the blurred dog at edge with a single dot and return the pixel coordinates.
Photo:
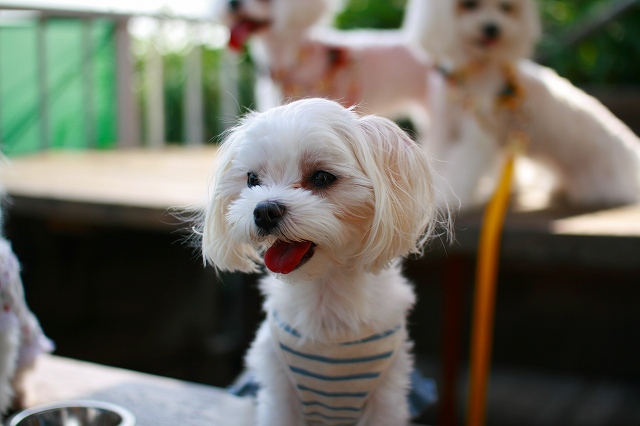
(298, 55)
(484, 92)
(21, 337)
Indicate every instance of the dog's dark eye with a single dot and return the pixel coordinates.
(469, 4)
(322, 179)
(252, 179)
(506, 7)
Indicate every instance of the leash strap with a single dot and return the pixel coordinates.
(486, 283)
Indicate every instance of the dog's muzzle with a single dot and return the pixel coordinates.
(268, 214)
(491, 31)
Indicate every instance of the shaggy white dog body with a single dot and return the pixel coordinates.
(21, 338)
(299, 56)
(594, 155)
(487, 93)
(330, 199)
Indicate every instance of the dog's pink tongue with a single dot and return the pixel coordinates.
(284, 257)
(240, 33)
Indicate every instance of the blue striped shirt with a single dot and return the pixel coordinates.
(334, 379)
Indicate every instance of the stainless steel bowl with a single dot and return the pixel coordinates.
(74, 413)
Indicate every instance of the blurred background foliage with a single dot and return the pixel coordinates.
(608, 56)
(174, 77)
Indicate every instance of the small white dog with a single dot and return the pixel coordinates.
(487, 92)
(21, 338)
(330, 199)
(299, 56)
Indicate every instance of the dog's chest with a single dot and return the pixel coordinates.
(494, 101)
(335, 379)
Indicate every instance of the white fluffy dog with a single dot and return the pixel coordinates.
(21, 338)
(299, 56)
(487, 92)
(330, 199)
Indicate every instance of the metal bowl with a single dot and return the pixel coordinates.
(74, 413)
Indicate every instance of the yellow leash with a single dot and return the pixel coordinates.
(485, 286)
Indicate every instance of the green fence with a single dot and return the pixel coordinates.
(57, 84)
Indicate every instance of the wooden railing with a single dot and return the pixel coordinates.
(138, 101)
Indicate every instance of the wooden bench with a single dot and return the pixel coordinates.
(128, 187)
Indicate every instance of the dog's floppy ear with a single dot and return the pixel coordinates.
(405, 212)
(429, 24)
(531, 30)
(217, 246)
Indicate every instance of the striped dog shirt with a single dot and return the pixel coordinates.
(334, 380)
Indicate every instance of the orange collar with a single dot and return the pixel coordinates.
(511, 96)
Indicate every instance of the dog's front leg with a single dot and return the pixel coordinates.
(278, 400)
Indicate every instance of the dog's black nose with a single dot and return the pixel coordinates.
(234, 4)
(268, 214)
(491, 30)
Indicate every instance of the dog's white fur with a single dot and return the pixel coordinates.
(378, 209)
(593, 156)
(379, 70)
(21, 338)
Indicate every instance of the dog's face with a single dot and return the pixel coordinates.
(479, 30)
(248, 17)
(492, 29)
(311, 185)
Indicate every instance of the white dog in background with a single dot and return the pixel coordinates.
(487, 91)
(21, 338)
(330, 199)
(299, 56)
